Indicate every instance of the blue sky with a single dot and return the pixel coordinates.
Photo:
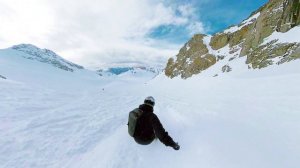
(216, 15)
(108, 33)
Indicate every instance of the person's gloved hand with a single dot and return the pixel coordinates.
(176, 146)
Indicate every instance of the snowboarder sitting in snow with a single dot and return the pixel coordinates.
(145, 126)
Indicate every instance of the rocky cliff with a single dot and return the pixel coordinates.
(261, 38)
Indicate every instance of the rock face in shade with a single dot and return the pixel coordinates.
(264, 38)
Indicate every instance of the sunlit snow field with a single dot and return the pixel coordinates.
(50, 118)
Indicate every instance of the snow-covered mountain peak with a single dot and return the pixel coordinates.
(46, 56)
(134, 71)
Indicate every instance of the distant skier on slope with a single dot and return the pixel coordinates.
(144, 126)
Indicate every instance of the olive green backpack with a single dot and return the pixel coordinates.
(133, 118)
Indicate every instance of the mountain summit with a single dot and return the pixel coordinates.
(267, 37)
(32, 52)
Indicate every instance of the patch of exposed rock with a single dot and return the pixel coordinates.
(192, 59)
(245, 39)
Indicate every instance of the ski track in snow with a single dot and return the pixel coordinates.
(49, 128)
(239, 120)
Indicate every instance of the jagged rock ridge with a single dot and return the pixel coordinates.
(252, 39)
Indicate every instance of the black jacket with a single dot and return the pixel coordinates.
(149, 127)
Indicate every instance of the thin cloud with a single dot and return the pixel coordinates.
(96, 33)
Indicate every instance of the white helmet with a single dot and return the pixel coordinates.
(149, 100)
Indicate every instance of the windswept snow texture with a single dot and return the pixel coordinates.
(50, 118)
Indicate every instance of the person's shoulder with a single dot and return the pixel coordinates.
(141, 106)
(153, 115)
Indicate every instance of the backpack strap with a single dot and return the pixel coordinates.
(140, 112)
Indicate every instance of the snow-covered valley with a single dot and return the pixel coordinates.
(53, 118)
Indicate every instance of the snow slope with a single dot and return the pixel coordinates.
(287, 37)
(32, 52)
(53, 118)
(28, 64)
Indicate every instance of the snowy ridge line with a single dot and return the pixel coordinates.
(46, 56)
(19, 67)
(134, 71)
(250, 20)
(246, 22)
